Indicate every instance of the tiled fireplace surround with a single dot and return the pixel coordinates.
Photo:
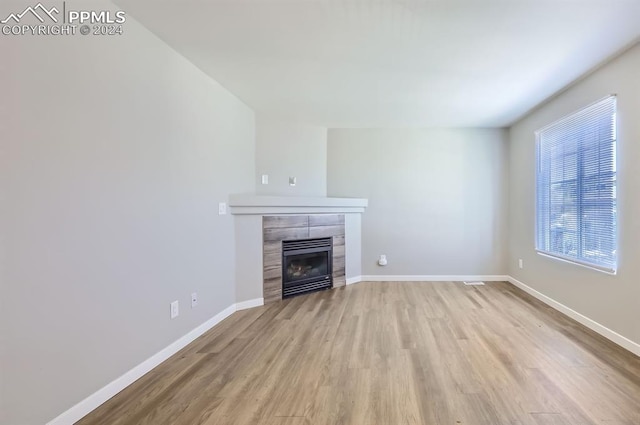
(262, 222)
(276, 229)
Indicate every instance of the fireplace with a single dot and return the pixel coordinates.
(292, 233)
(306, 266)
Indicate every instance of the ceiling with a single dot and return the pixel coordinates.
(402, 63)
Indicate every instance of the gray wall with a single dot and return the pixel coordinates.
(286, 150)
(437, 198)
(613, 301)
(115, 153)
(248, 232)
(353, 245)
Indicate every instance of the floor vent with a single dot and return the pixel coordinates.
(474, 283)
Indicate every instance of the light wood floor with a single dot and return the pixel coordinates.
(390, 354)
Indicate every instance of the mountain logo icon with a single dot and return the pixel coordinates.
(39, 11)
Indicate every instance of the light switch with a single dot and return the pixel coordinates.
(222, 208)
(265, 179)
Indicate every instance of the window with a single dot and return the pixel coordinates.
(576, 187)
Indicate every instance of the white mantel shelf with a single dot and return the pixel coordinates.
(266, 205)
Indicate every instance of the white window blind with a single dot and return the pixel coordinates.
(576, 187)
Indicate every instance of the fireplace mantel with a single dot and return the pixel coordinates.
(265, 205)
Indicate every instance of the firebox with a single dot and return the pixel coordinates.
(306, 266)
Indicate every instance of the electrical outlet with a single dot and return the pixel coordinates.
(194, 300)
(520, 263)
(222, 208)
(175, 309)
(292, 181)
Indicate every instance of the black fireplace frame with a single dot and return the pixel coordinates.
(301, 247)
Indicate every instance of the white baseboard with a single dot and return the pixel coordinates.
(355, 279)
(92, 402)
(433, 278)
(584, 320)
(257, 302)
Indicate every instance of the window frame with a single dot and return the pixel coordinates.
(579, 181)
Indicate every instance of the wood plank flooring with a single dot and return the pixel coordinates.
(390, 353)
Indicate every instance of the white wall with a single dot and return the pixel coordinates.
(437, 198)
(115, 154)
(612, 301)
(286, 150)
